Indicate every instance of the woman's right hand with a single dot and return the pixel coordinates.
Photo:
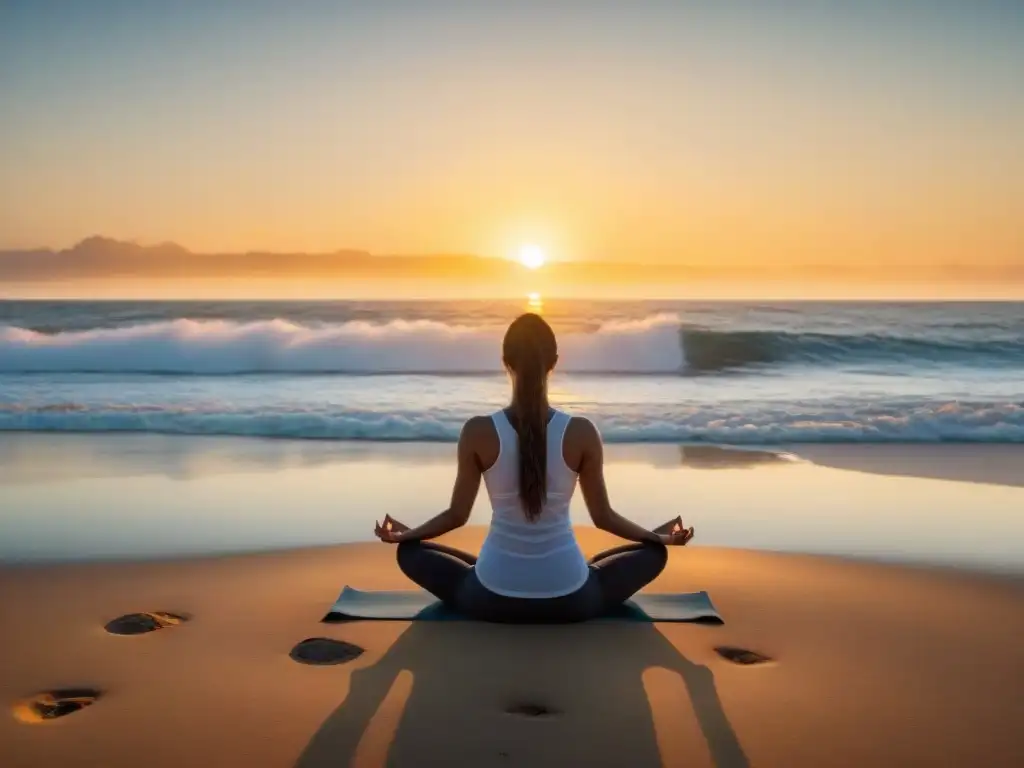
(391, 531)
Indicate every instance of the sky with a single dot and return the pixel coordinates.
(653, 131)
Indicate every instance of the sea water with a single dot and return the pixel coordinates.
(655, 371)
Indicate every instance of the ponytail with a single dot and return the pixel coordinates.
(531, 410)
(530, 352)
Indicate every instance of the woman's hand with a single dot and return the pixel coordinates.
(391, 531)
(672, 533)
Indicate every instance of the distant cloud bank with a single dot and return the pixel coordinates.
(102, 258)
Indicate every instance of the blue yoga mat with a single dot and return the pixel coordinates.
(418, 605)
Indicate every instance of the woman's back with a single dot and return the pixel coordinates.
(522, 557)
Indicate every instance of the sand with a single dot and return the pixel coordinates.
(990, 463)
(870, 665)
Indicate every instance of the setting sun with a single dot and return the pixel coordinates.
(531, 257)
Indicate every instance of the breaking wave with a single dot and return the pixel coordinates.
(278, 346)
(654, 345)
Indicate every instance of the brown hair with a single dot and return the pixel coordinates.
(529, 352)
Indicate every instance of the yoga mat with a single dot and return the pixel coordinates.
(418, 605)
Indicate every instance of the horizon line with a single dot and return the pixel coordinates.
(749, 267)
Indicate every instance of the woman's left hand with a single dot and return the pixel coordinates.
(391, 531)
(675, 525)
(672, 533)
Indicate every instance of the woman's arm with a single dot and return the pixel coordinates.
(595, 492)
(467, 485)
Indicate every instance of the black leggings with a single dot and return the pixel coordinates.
(448, 573)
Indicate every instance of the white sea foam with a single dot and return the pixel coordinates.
(278, 346)
(764, 425)
(843, 387)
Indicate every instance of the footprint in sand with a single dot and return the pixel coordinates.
(50, 705)
(741, 656)
(530, 710)
(139, 623)
(324, 650)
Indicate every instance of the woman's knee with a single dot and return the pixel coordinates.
(407, 555)
(658, 554)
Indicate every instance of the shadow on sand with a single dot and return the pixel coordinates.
(524, 695)
(720, 457)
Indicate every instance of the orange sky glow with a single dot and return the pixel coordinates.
(869, 151)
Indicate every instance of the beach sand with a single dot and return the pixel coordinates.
(872, 665)
(104, 497)
(993, 463)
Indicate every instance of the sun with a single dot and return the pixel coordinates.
(531, 256)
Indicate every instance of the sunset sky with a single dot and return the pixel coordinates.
(812, 133)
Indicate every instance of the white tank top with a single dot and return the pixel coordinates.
(521, 558)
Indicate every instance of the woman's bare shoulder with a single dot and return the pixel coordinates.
(480, 437)
(478, 426)
(581, 429)
(581, 440)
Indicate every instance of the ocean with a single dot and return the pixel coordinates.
(645, 372)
